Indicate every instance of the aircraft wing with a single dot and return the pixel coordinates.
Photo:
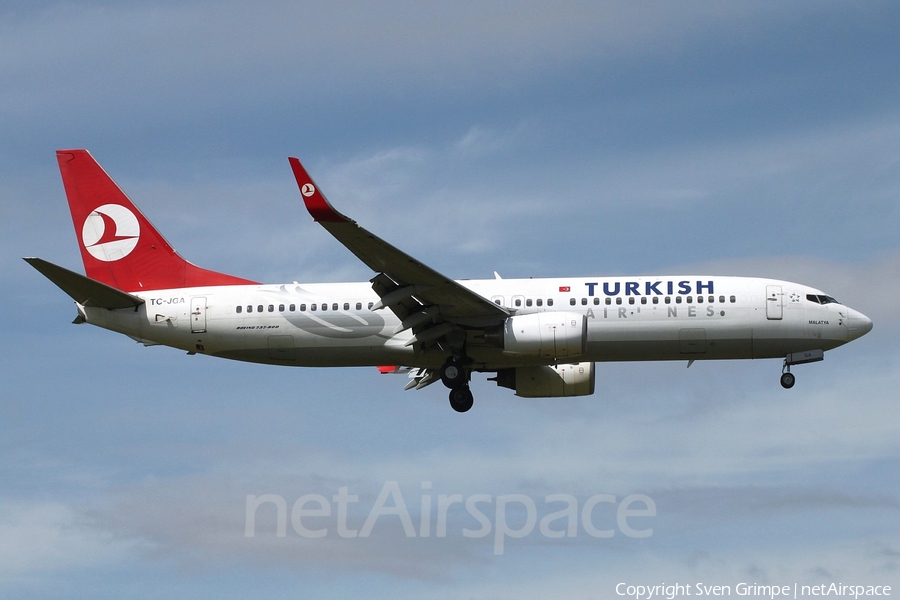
(426, 301)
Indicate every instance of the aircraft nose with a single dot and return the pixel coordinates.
(858, 324)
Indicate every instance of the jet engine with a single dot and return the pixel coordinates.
(546, 334)
(549, 381)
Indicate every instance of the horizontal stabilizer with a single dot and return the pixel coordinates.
(84, 290)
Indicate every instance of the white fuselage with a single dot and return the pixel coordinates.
(628, 319)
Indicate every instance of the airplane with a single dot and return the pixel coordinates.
(539, 337)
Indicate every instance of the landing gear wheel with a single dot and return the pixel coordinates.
(453, 375)
(788, 380)
(461, 399)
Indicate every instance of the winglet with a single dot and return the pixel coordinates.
(320, 209)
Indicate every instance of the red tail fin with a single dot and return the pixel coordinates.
(119, 246)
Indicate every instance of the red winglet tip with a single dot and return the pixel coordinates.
(320, 209)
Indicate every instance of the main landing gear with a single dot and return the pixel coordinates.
(456, 377)
(461, 399)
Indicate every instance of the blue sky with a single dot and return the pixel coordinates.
(528, 138)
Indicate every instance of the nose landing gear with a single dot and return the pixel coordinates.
(456, 377)
(787, 379)
(797, 358)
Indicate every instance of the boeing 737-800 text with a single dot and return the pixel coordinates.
(539, 337)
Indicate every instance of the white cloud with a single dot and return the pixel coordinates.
(228, 53)
(658, 440)
(798, 166)
(45, 537)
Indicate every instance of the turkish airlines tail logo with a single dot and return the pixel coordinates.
(110, 232)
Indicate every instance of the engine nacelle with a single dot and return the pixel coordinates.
(546, 334)
(549, 381)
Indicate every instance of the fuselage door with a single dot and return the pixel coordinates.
(774, 302)
(198, 314)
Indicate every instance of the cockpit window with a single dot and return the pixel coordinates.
(821, 299)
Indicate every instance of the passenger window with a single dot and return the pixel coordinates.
(239, 309)
(699, 299)
(528, 302)
(370, 305)
(271, 308)
(292, 307)
(618, 300)
(549, 301)
(281, 308)
(359, 306)
(540, 302)
(571, 301)
(259, 308)
(677, 299)
(630, 299)
(691, 299)
(721, 299)
(608, 301)
(346, 306)
(584, 301)
(518, 302)
(655, 299)
(668, 300)
(334, 306)
(643, 299)
(712, 299)
(302, 308)
(596, 301)
(249, 308)
(733, 299)
(497, 302)
(312, 307)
